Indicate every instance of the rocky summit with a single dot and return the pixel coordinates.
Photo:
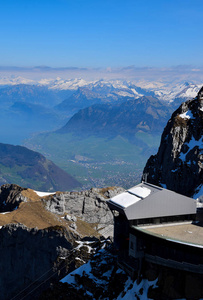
(29, 257)
(90, 206)
(44, 237)
(178, 165)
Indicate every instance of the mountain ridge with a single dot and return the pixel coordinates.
(178, 164)
(32, 169)
(145, 113)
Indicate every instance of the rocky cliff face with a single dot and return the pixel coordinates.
(101, 278)
(178, 165)
(10, 197)
(88, 205)
(30, 257)
(41, 244)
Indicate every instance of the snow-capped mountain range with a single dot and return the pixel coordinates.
(133, 89)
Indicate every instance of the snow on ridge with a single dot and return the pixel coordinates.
(151, 85)
(185, 91)
(136, 93)
(189, 91)
(166, 91)
(43, 194)
(86, 244)
(187, 115)
(131, 289)
(45, 81)
(15, 80)
(191, 144)
(84, 269)
(69, 84)
(125, 94)
(70, 278)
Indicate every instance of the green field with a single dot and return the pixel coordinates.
(98, 162)
(12, 175)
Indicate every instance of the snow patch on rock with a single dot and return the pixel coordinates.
(98, 272)
(191, 144)
(187, 115)
(43, 194)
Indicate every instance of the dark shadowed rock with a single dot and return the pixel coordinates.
(178, 165)
(10, 197)
(30, 256)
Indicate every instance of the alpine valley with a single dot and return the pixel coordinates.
(56, 246)
(101, 132)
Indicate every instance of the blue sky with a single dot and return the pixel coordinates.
(101, 33)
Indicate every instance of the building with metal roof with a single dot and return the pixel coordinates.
(149, 201)
(159, 226)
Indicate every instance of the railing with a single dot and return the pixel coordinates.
(174, 264)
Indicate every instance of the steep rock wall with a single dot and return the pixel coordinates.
(88, 205)
(29, 256)
(178, 165)
(10, 197)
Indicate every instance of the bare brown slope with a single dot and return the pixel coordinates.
(32, 214)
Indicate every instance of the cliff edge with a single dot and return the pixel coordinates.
(178, 165)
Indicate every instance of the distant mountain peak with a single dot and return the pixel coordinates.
(125, 119)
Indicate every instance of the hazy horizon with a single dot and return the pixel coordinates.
(173, 74)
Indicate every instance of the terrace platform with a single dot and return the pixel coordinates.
(190, 233)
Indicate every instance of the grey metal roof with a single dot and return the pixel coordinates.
(149, 201)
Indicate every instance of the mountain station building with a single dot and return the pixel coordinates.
(158, 226)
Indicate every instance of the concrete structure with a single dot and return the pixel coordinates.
(159, 226)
